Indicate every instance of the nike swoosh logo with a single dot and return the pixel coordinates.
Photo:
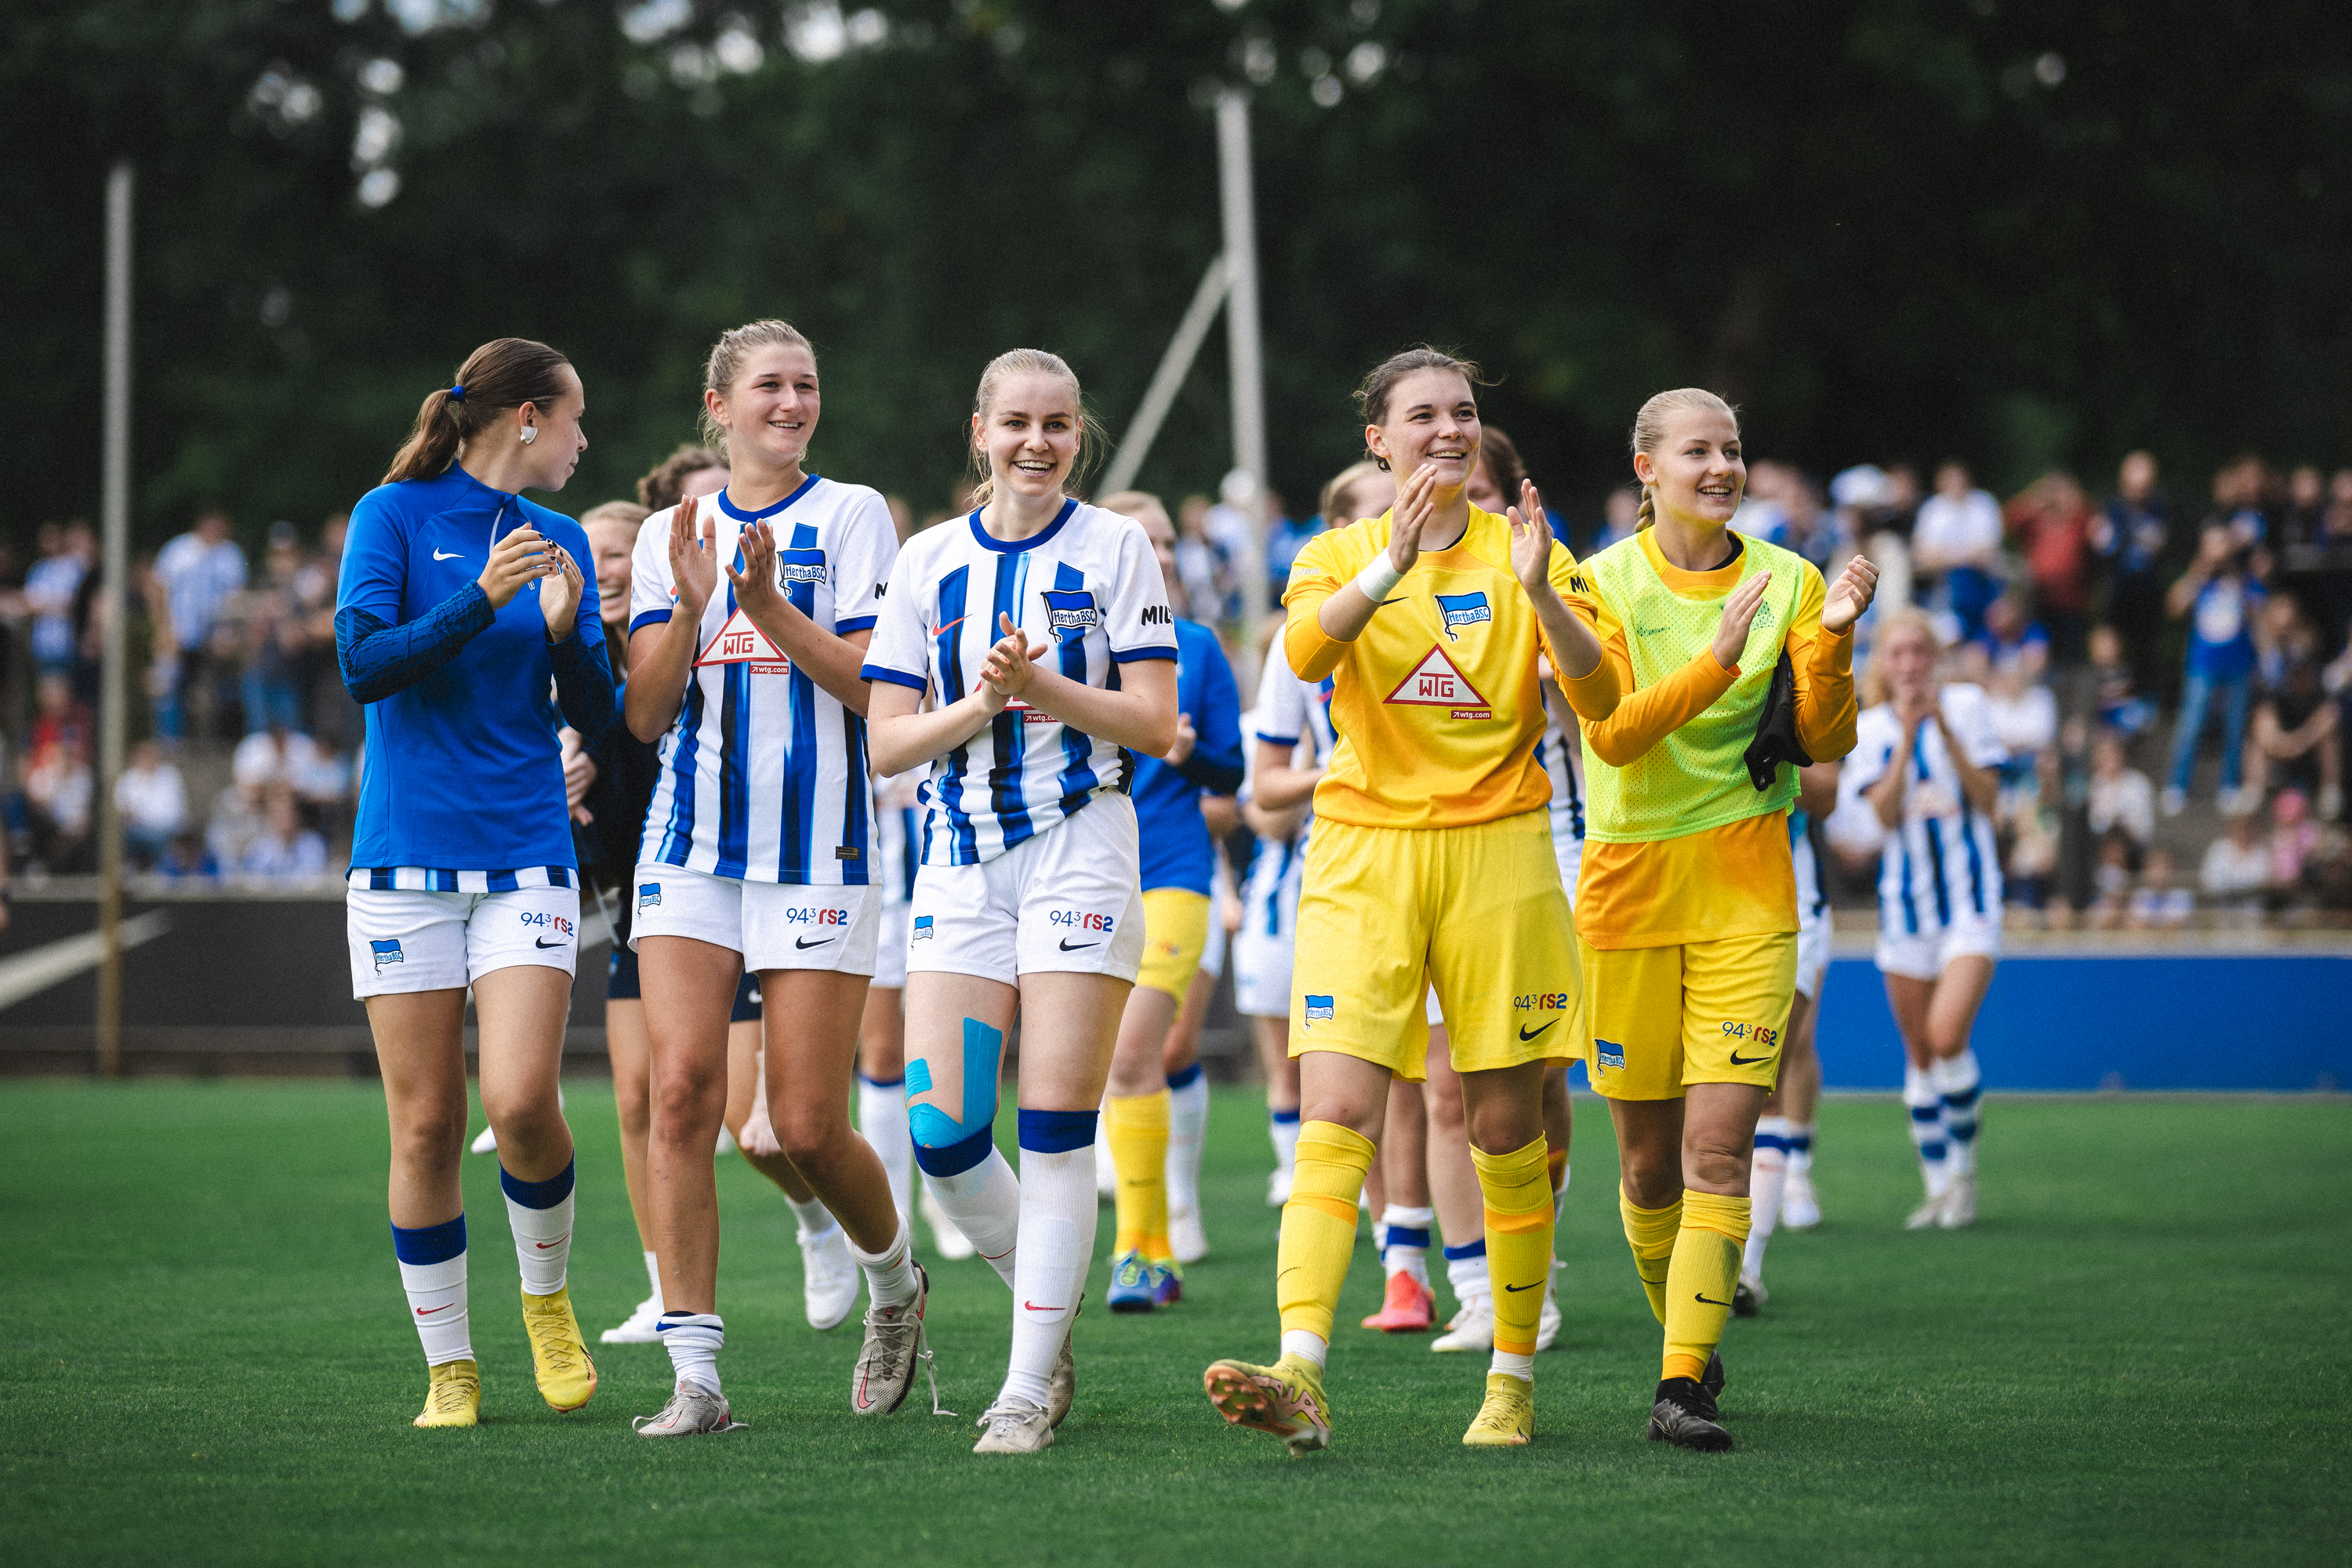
(1703, 1297)
(802, 941)
(542, 941)
(447, 554)
(1035, 1308)
(951, 625)
(428, 1312)
(1524, 1035)
(1066, 946)
(1739, 1061)
(1378, 603)
(1521, 1286)
(543, 1245)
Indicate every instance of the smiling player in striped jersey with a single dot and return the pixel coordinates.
(1042, 626)
(758, 850)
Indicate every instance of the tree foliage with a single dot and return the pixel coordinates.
(1888, 227)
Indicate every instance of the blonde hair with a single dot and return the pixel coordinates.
(726, 362)
(1343, 485)
(1025, 362)
(1649, 430)
(621, 513)
(1127, 502)
(1897, 618)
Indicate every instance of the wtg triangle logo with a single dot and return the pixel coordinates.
(1435, 684)
(741, 642)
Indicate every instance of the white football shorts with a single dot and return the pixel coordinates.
(1924, 955)
(775, 925)
(1812, 951)
(1070, 900)
(404, 942)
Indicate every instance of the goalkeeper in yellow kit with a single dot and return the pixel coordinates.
(1736, 663)
(1430, 864)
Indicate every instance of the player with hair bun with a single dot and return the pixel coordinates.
(757, 852)
(1738, 666)
(460, 605)
(1042, 627)
(1430, 864)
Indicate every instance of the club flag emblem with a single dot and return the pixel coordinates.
(387, 953)
(741, 642)
(648, 895)
(923, 929)
(1612, 1054)
(1071, 612)
(799, 566)
(1463, 610)
(1435, 684)
(1318, 1007)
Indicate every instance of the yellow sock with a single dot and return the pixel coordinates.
(1705, 1272)
(1651, 1234)
(1137, 1127)
(1319, 1225)
(1518, 1192)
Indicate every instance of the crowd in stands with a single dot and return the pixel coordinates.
(2121, 643)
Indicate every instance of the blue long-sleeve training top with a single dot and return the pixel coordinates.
(1176, 848)
(464, 771)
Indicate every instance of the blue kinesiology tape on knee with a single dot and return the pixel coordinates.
(983, 1053)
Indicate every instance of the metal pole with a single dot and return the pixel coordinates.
(113, 569)
(1175, 365)
(1242, 344)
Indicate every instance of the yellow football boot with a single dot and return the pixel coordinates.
(453, 1397)
(1284, 1400)
(559, 1355)
(1508, 1419)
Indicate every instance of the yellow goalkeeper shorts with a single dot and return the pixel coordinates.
(1662, 1019)
(1175, 934)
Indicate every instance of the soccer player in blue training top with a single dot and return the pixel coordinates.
(460, 602)
(1028, 897)
(1179, 860)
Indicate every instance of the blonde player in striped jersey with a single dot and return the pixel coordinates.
(1431, 862)
(1686, 909)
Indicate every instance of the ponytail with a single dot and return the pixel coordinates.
(503, 373)
(1649, 513)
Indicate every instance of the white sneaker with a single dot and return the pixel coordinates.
(1548, 1324)
(1013, 1426)
(638, 1328)
(947, 1241)
(829, 1277)
(2172, 801)
(1960, 1210)
(1278, 1187)
(691, 1411)
(486, 1143)
(1473, 1328)
(1800, 1208)
(1185, 1236)
(1929, 1213)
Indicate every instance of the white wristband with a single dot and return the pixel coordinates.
(1378, 578)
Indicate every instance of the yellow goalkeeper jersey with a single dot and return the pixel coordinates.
(1438, 702)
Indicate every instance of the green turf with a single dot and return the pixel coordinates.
(2137, 1356)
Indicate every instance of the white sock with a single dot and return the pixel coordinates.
(985, 1204)
(1957, 1081)
(1188, 1123)
(694, 1340)
(1769, 1179)
(1058, 1213)
(540, 1213)
(1927, 1109)
(1306, 1344)
(1801, 1148)
(812, 1217)
(1405, 1249)
(1467, 1276)
(1522, 1367)
(1105, 1168)
(882, 1118)
(1282, 1127)
(653, 1274)
(889, 1273)
(436, 1305)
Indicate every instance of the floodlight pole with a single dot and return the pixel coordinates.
(114, 568)
(1244, 346)
(1175, 365)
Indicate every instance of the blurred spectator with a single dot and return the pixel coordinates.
(1230, 528)
(58, 783)
(328, 711)
(284, 851)
(2013, 641)
(1864, 496)
(49, 591)
(274, 637)
(2237, 867)
(2129, 534)
(1815, 533)
(2293, 835)
(2025, 716)
(199, 571)
(2051, 522)
(1286, 536)
(236, 822)
(2238, 509)
(1200, 565)
(2122, 800)
(1619, 516)
(691, 470)
(2317, 547)
(2030, 874)
(275, 755)
(2220, 599)
(1763, 510)
(2296, 727)
(1956, 545)
(186, 859)
(153, 802)
(2117, 706)
(2111, 883)
(2160, 903)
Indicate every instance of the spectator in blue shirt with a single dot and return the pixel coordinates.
(2219, 598)
(2128, 536)
(200, 570)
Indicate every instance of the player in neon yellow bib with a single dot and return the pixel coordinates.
(1686, 904)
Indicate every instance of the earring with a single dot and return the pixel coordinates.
(529, 434)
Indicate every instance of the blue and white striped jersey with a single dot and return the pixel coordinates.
(1939, 866)
(1290, 711)
(1089, 584)
(1806, 858)
(764, 777)
(1561, 752)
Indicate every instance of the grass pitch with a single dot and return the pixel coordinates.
(2139, 1355)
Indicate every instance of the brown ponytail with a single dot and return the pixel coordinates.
(503, 373)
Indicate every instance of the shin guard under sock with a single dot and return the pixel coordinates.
(1318, 1226)
(1649, 1233)
(1516, 1189)
(1699, 1281)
